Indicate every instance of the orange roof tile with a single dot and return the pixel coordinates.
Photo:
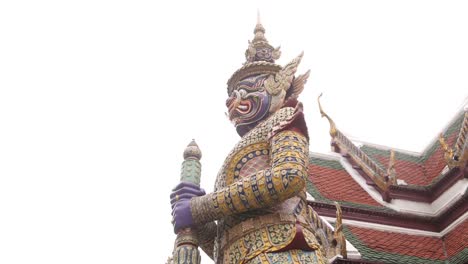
(402, 244)
(457, 239)
(338, 185)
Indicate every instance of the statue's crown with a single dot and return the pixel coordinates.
(260, 58)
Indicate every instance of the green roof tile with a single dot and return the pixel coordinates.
(460, 258)
(332, 164)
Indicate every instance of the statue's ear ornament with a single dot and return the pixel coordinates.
(250, 53)
(282, 80)
(276, 53)
(298, 85)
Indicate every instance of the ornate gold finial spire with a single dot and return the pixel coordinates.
(259, 49)
(333, 130)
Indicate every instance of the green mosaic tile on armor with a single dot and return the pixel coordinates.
(332, 164)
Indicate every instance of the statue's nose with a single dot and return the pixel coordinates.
(234, 96)
(229, 101)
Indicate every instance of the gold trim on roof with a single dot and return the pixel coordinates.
(391, 173)
(453, 158)
(448, 152)
(338, 234)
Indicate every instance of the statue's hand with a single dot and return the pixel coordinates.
(180, 203)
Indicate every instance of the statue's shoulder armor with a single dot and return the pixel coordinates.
(256, 141)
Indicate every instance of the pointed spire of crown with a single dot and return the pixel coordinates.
(260, 58)
(259, 49)
(259, 31)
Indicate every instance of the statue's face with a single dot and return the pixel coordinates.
(249, 103)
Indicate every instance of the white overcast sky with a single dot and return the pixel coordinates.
(98, 100)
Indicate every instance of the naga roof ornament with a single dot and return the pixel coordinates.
(333, 130)
(449, 154)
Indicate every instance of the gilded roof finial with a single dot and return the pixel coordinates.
(333, 130)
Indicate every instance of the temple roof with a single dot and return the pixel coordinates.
(397, 206)
(395, 173)
(418, 168)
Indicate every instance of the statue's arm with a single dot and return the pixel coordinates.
(285, 178)
(206, 235)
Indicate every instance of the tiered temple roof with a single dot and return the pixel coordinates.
(397, 206)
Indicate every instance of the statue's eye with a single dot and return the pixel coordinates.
(243, 93)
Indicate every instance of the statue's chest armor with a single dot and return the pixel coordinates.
(248, 161)
(244, 160)
(252, 152)
(253, 162)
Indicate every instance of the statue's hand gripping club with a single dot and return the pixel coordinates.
(180, 203)
(187, 242)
